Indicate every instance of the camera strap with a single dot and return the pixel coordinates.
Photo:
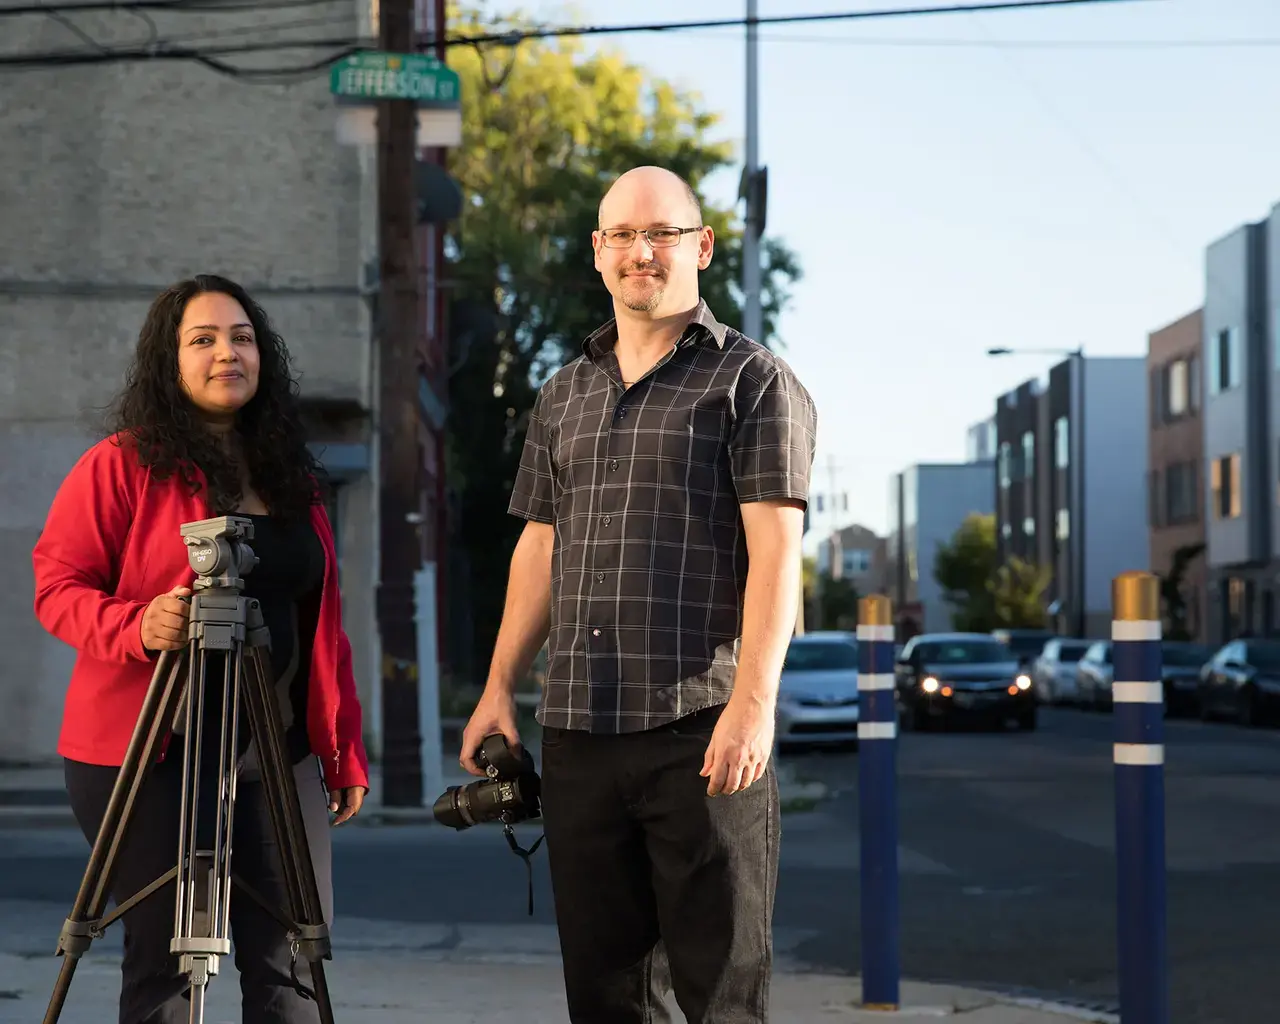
(524, 855)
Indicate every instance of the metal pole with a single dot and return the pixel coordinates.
(1138, 695)
(878, 804)
(400, 551)
(1079, 529)
(752, 325)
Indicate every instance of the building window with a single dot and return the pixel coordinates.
(1028, 455)
(1225, 484)
(1224, 360)
(1177, 390)
(1005, 454)
(1061, 443)
(1029, 526)
(857, 561)
(1181, 493)
(1063, 525)
(1006, 530)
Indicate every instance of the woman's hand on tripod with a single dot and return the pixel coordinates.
(346, 803)
(164, 623)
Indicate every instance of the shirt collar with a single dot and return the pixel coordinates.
(702, 326)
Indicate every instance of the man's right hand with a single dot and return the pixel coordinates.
(495, 712)
(164, 623)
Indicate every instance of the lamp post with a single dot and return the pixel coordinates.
(1076, 449)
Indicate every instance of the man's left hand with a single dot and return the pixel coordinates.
(740, 747)
(346, 803)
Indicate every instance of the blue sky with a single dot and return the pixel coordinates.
(946, 198)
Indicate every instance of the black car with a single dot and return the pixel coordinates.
(1181, 664)
(1241, 681)
(939, 676)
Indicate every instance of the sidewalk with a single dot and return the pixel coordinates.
(397, 988)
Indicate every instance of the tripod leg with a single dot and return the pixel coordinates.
(81, 926)
(280, 789)
(200, 912)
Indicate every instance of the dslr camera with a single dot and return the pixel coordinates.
(510, 794)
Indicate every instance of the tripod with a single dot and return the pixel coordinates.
(221, 619)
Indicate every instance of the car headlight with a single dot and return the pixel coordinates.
(930, 685)
(1023, 681)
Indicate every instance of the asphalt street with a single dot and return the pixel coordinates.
(1007, 871)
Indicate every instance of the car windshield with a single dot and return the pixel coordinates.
(1185, 655)
(821, 656)
(1265, 656)
(962, 652)
(1072, 651)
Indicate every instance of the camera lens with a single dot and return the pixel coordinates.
(452, 808)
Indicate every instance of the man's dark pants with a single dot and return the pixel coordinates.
(656, 884)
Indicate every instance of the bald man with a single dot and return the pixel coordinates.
(663, 482)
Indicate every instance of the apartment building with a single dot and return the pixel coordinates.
(850, 554)
(1241, 353)
(980, 441)
(1071, 470)
(1175, 457)
(927, 504)
(129, 176)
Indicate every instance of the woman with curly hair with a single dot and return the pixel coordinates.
(208, 424)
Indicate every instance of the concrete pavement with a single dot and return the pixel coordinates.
(467, 986)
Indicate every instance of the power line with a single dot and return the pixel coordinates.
(346, 46)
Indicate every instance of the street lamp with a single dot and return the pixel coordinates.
(1077, 462)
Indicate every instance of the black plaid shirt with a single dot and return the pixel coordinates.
(643, 485)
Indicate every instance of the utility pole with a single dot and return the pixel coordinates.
(751, 190)
(397, 330)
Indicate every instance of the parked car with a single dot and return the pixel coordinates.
(1026, 644)
(1094, 676)
(944, 675)
(818, 691)
(1182, 664)
(1241, 681)
(1053, 673)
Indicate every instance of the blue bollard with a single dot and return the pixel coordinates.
(878, 804)
(1138, 708)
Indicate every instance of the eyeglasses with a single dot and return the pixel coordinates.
(658, 238)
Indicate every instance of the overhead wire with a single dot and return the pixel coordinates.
(342, 47)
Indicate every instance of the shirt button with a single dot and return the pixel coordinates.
(608, 520)
(622, 413)
(595, 632)
(613, 463)
(599, 577)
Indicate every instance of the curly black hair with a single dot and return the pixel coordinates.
(155, 412)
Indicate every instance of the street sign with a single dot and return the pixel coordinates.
(394, 76)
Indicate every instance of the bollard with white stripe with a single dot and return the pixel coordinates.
(878, 804)
(1138, 699)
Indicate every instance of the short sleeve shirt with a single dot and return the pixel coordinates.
(643, 486)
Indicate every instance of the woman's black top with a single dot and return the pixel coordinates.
(287, 583)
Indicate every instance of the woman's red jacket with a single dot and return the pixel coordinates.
(110, 544)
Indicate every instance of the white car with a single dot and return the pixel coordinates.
(1053, 674)
(818, 692)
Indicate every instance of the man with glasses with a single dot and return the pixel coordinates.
(663, 482)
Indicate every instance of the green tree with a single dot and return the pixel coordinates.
(964, 568)
(546, 128)
(1171, 594)
(837, 603)
(1017, 592)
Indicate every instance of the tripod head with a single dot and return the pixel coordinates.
(218, 551)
